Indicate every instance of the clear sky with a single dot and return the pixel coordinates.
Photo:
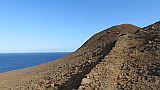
(64, 25)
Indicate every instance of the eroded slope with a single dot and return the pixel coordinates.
(134, 63)
(65, 73)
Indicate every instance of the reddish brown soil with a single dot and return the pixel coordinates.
(133, 63)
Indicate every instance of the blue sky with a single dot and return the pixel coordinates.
(64, 25)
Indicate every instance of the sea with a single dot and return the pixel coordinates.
(14, 61)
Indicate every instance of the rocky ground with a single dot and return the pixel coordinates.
(133, 64)
(123, 57)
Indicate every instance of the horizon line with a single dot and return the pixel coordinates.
(40, 52)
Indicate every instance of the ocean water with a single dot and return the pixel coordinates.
(14, 61)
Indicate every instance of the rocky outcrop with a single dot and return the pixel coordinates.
(133, 64)
(66, 73)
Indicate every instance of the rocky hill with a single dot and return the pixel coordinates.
(133, 64)
(123, 57)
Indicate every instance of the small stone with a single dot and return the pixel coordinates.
(48, 85)
(152, 27)
(47, 81)
(149, 42)
(85, 88)
(52, 85)
(86, 81)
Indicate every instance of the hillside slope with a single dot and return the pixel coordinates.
(133, 64)
(67, 72)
